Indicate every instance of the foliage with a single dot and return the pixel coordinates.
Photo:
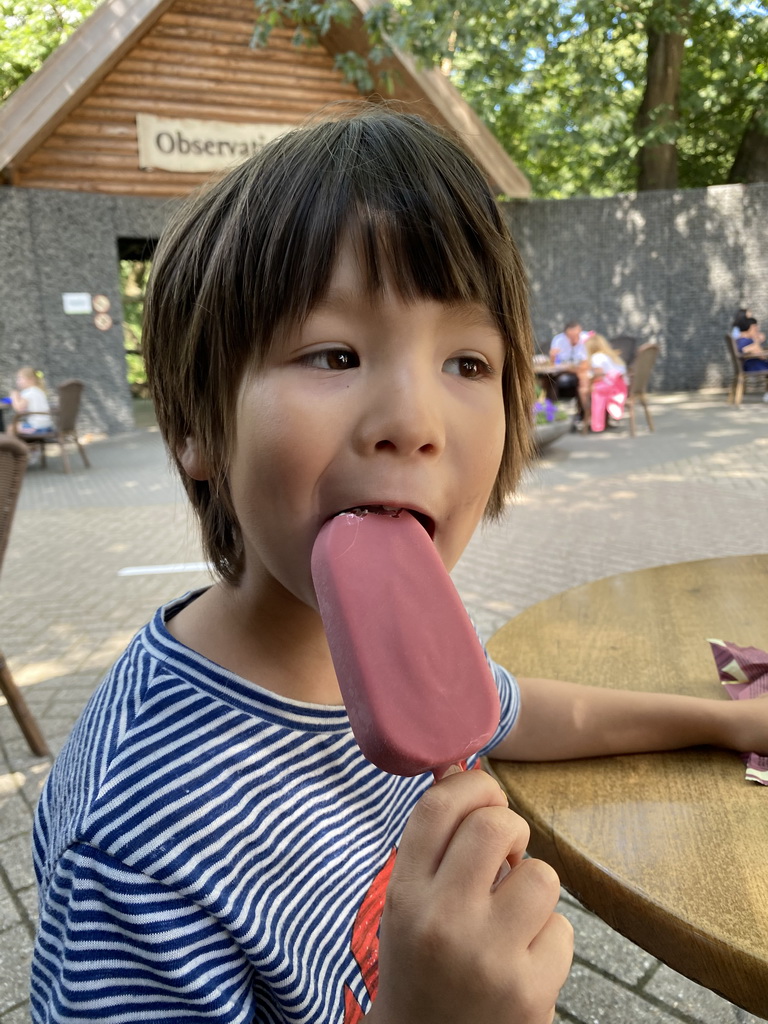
(560, 81)
(133, 279)
(32, 29)
(547, 411)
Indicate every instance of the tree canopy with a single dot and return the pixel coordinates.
(29, 31)
(588, 98)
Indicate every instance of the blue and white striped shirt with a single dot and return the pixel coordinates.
(207, 850)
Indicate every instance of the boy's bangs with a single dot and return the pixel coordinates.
(427, 256)
(422, 223)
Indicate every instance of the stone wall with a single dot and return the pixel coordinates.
(669, 267)
(58, 242)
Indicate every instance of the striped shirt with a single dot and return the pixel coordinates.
(207, 850)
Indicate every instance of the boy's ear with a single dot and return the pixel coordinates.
(192, 461)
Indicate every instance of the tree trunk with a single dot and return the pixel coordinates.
(657, 117)
(751, 160)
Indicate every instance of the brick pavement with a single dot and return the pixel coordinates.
(591, 507)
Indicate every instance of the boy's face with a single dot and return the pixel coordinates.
(365, 405)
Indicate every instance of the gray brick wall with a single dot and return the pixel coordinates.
(669, 267)
(56, 242)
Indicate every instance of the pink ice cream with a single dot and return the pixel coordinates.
(417, 687)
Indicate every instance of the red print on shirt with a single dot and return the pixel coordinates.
(365, 940)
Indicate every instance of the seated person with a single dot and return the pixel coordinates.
(750, 343)
(568, 345)
(30, 401)
(741, 314)
(567, 349)
(604, 389)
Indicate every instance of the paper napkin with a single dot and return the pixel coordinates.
(743, 672)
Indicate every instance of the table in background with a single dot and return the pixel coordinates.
(547, 374)
(669, 849)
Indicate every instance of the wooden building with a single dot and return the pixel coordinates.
(140, 105)
(72, 125)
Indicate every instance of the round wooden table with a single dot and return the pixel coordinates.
(669, 849)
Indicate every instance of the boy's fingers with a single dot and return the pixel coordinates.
(526, 898)
(486, 839)
(552, 949)
(437, 816)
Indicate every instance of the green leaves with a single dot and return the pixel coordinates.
(560, 82)
(29, 31)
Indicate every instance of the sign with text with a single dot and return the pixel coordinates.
(186, 145)
(76, 302)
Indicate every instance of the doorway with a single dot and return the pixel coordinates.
(135, 256)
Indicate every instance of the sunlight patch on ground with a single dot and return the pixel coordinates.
(78, 659)
(624, 495)
(11, 783)
(40, 671)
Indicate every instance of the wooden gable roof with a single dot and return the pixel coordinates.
(72, 124)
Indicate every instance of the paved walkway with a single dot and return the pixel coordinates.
(593, 506)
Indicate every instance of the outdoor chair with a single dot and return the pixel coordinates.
(639, 375)
(740, 375)
(65, 424)
(13, 465)
(626, 346)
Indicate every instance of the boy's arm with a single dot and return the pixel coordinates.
(560, 721)
(115, 945)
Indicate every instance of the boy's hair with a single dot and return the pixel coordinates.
(251, 255)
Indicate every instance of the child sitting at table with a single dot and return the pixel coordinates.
(606, 383)
(339, 322)
(29, 400)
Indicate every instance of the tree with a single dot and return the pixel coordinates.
(658, 116)
(590, 97)
(587, 97)
(29, 31)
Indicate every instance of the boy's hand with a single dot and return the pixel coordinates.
(457, 945)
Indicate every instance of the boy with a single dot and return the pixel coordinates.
(340, 322)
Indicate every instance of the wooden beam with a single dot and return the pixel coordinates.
(42, 102)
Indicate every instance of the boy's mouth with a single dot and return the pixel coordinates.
(394, 511)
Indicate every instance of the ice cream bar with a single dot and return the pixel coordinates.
(417, 687)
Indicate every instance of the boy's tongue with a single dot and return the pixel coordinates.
(417, 687)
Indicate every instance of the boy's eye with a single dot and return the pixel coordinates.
(332, 359)
(470, 367)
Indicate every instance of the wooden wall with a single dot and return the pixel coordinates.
(195, 62)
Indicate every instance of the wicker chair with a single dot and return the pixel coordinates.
(740, 375)
(13, 465)
(626, 345)
(65, 424)
(639, 376)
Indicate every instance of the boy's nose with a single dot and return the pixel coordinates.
(405, 417)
